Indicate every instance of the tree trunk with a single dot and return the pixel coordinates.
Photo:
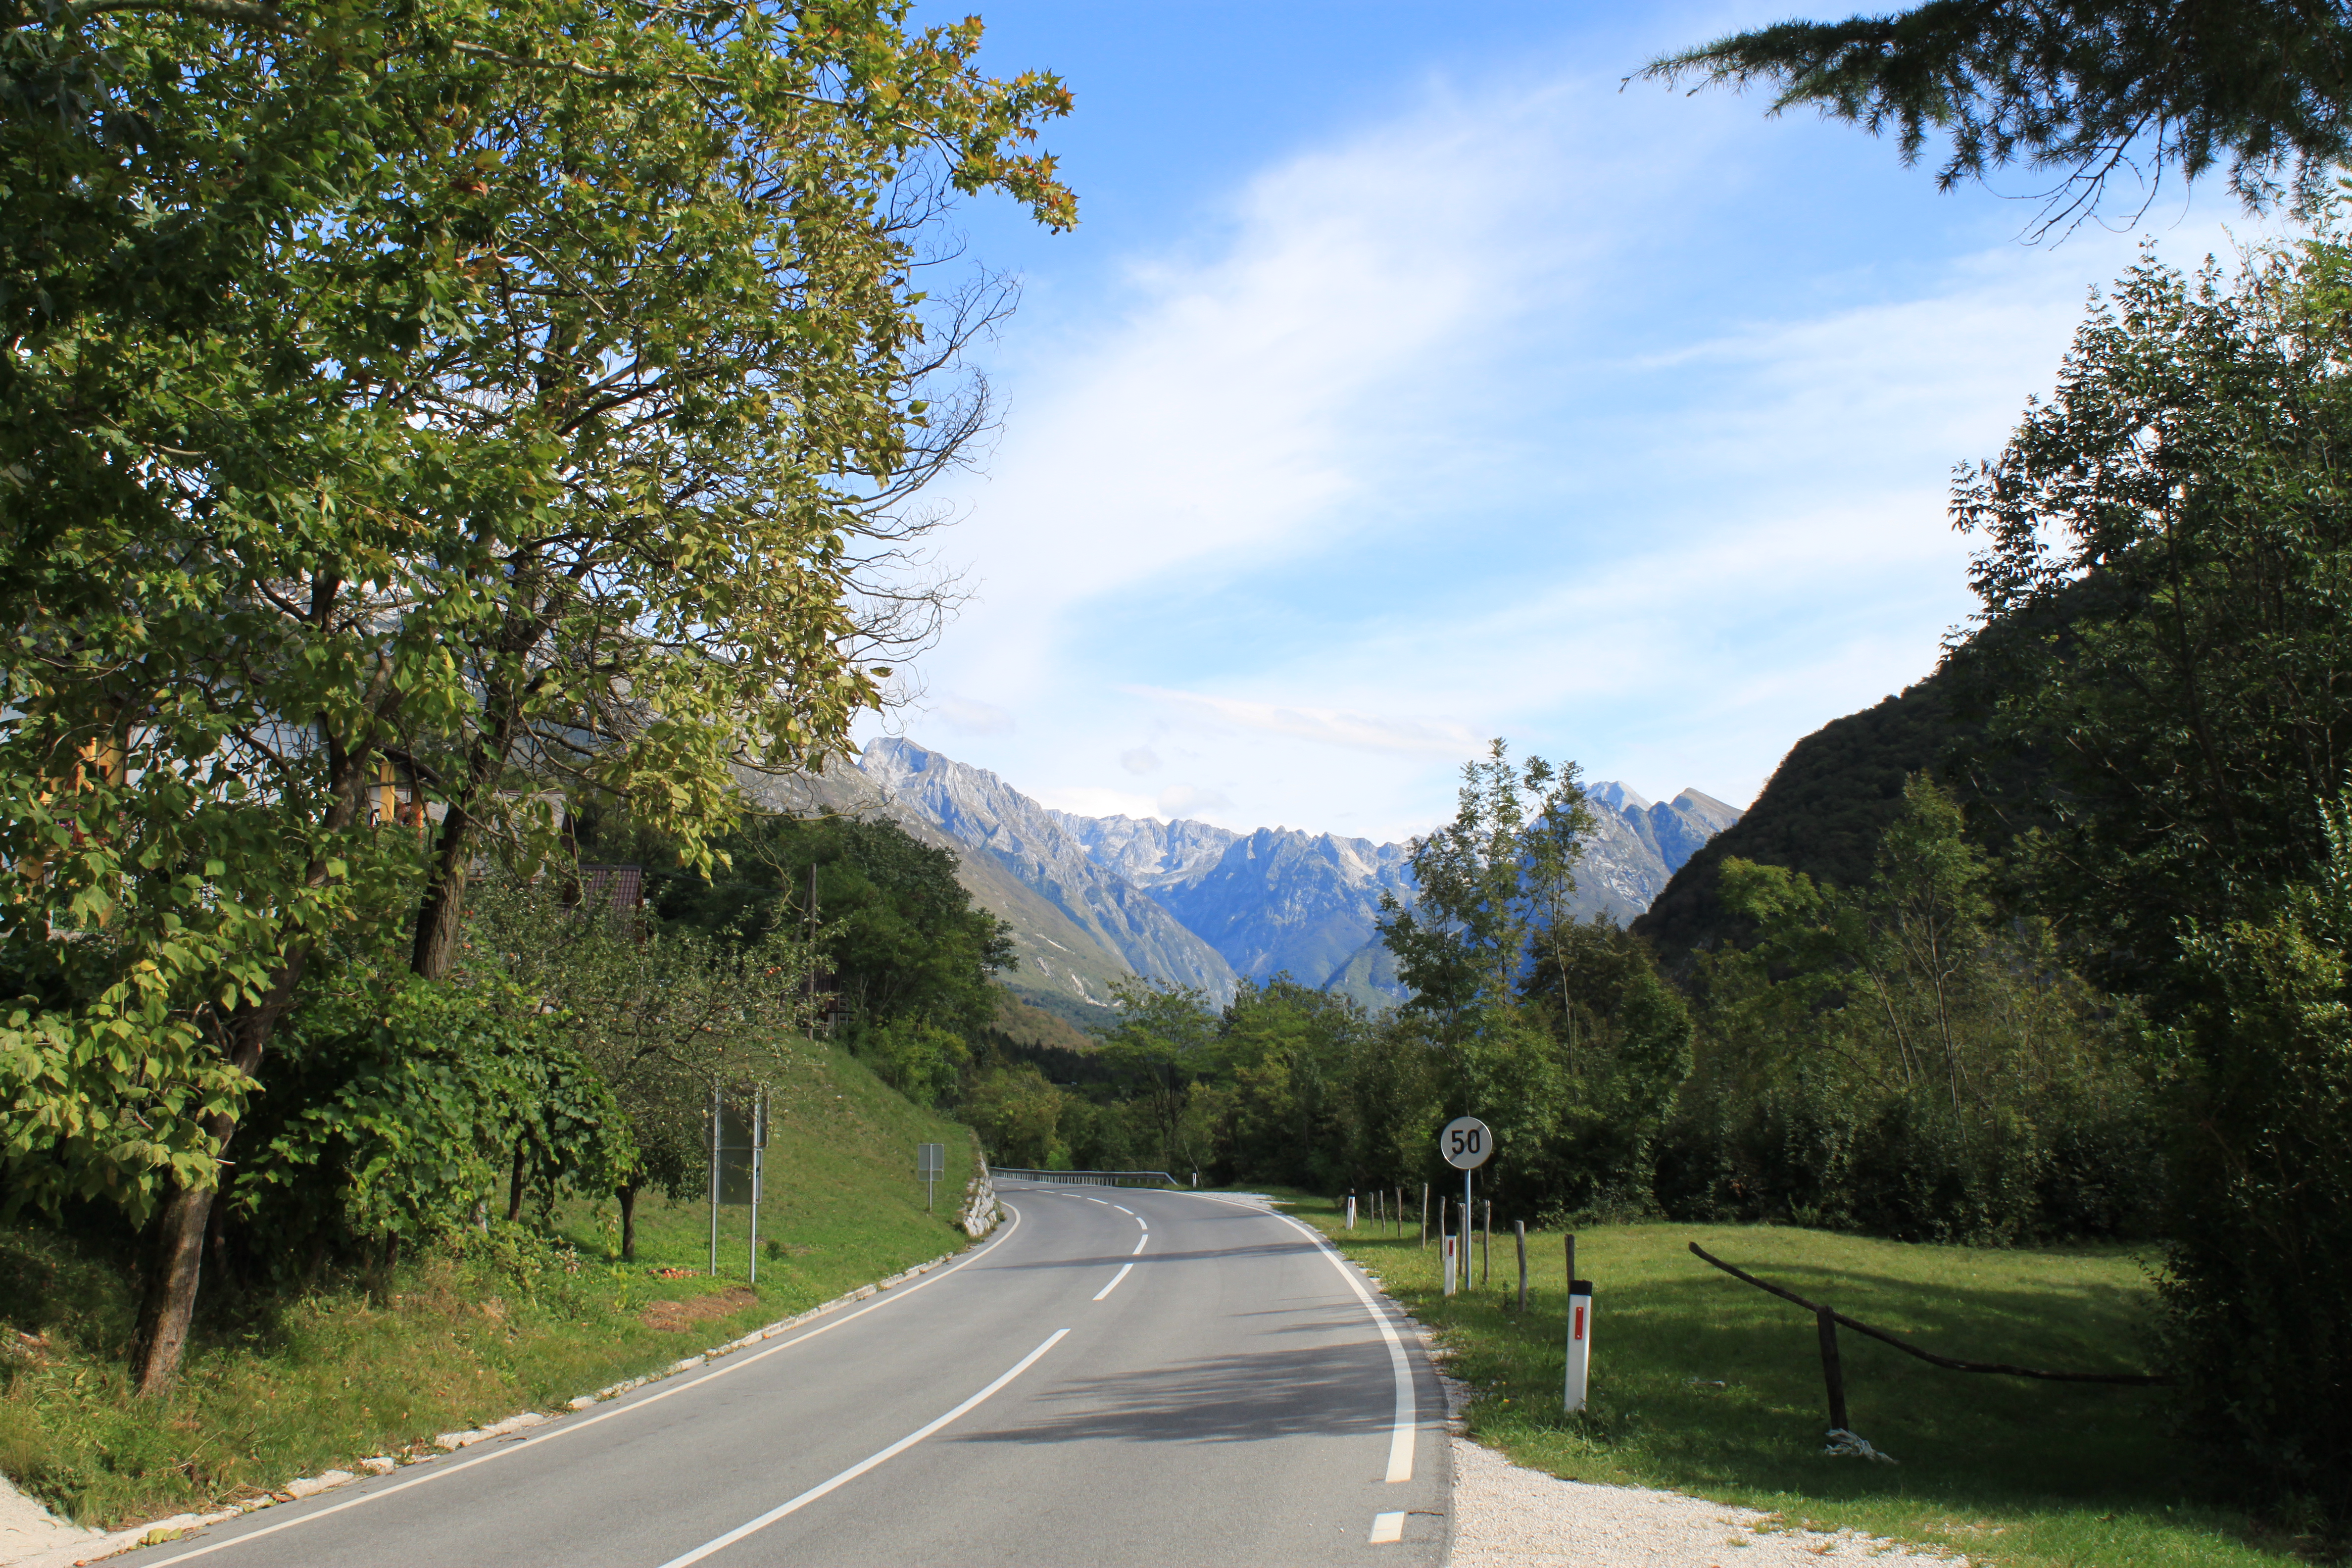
(443, 906)
(167, 1307)
(514, 1189)
(439, 916)
(169, 1303)
(628, 1196)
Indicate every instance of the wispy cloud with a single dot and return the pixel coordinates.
(1513, 416)
(1326, 726)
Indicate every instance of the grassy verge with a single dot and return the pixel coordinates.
(1706, 1385)
(294, 1382)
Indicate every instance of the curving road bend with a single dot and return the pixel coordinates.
(1119, 1378)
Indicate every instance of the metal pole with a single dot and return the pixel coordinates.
(755, 1214)
(714, 1179)
(1467, 1214)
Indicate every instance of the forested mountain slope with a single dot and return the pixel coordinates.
(1822, 812)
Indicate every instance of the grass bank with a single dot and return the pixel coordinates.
(293, 1382)
(1706, 1385)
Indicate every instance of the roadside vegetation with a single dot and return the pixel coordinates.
(317, 1372)
(1706, 1385)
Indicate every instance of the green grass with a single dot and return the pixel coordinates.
(293, 1385)
(1706, 1385)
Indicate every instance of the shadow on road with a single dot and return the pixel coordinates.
(1340, 1390)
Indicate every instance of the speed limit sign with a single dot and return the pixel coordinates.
(1466, 1144)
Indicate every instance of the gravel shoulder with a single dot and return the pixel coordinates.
(1506, 1516)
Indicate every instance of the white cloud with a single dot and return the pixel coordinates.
(1329, 726)
(1191, 800)
(967, 717)
(1086, 800)
(1140, 760)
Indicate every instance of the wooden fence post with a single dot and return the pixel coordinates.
(1519, 1229)
(1833, 1373)
(1424, 1217)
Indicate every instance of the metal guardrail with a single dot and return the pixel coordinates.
(1083, 1178)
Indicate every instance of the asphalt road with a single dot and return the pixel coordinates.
(1119, 1378)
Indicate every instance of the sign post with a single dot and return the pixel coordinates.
(738, 1133)
(930, 1165)
(1466, 1144)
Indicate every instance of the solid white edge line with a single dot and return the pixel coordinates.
(1387, 1530)
(732, 1363)
(1113, 1282)
(1408, 1416)
(720, 1543)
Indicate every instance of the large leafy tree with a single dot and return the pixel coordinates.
(498, 393)
(2174, 530)
(2080, 89)
(2166, 548)
(900, 936)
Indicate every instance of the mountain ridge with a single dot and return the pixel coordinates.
(1189, 903)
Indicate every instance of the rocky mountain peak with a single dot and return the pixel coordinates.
(1190, 903)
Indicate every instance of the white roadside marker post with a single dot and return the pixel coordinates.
(1580, 1337)
(1351, 1211)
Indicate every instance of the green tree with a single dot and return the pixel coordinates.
(1290, 1053)
(1165, 1042)
(1559, 1036)
(1488, 885)
(1923, 1063)
(661, 1016)
(2258, 1075)
(2084, 89)
(2173, 532)
(1019, 1117)
(392, 1106)
(535, 405)
(899, 933)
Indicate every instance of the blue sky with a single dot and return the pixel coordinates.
(1408, 383)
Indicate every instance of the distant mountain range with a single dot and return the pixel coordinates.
(1091, 900)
